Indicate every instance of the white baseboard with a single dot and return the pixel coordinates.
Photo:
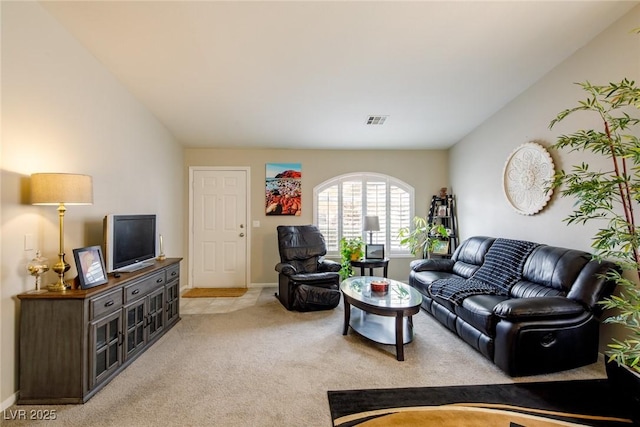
(10, 401)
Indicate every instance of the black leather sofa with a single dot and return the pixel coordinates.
(545, 319)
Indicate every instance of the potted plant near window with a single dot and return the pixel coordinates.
(611, 196)
(423, 238)
(350, 250)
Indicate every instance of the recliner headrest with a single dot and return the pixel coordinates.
(299, 242)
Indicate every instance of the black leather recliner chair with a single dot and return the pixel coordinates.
(306, 281)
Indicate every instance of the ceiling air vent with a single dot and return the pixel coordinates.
(376, 120)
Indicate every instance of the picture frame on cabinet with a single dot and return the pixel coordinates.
(441, 247)
(374, 252)
(90, 266)
(442, 210)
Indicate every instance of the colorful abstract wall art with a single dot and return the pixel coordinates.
(283, 192)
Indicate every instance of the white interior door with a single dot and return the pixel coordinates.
(219, 228)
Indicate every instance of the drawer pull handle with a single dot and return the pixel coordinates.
(159, 280)
(173, 273)
(109, 303)
(135, 292)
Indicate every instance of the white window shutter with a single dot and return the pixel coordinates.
(342, 202)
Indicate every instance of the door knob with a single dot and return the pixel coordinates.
(241, 234)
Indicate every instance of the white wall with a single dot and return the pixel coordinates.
(476, 163)
(425, 170)
(63, 112)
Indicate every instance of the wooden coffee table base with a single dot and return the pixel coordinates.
(382, 325)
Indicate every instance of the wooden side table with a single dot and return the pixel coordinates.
(371, 264)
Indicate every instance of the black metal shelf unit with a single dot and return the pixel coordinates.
(443, 211)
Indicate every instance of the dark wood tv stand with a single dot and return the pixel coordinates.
(73, 343)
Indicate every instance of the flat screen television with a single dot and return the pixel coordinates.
(129, 242)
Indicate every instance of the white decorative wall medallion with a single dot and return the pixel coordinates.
(527, 174)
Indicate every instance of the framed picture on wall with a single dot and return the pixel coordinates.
(283, 189)
(90, 266)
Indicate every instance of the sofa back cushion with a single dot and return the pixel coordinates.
(526, 289)
(553, 267)
(591, 286)
(469, 256)
(567, 272)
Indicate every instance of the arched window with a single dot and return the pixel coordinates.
(342, 202)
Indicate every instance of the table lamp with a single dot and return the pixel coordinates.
(371, 224)
(61, 189)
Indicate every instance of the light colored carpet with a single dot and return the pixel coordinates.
(214, 292)
(265, 366)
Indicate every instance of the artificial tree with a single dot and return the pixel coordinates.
(610, 196)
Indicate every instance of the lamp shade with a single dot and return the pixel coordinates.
(56, 188)
(371, 223)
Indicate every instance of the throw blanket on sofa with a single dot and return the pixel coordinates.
(501, 269)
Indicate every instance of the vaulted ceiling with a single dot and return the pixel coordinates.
(308, 74)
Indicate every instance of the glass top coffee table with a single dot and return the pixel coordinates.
(371, 313)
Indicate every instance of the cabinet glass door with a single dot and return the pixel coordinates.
(134, 327)
(173, 303)
(156, 313)
(105, 343)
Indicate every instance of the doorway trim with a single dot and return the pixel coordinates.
(245, 169)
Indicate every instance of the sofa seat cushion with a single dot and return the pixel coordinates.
(423, 279)
(477, 310)
(448, 304)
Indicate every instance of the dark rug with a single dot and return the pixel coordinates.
(540, 404)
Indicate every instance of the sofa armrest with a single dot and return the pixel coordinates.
(542, 308)
(434, 264)
(328, 265)
(286, 269)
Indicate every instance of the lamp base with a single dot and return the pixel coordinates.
(161, 257)
(57, 287)
(60, 268)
